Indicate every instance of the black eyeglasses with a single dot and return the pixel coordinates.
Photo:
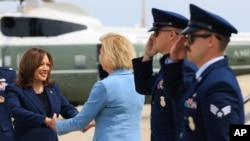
(190, 37)
(156, 32)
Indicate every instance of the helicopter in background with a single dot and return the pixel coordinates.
(72, 37)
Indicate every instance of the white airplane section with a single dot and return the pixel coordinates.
(69, 13)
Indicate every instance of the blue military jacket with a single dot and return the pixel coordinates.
(148, 83)
(7, 76)
(210, 105)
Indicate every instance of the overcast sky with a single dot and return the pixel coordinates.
(128, 12)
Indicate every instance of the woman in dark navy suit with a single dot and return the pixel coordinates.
(34, 98)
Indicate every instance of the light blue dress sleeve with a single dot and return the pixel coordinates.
(95, 103)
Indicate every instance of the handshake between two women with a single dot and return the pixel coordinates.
(51, 122)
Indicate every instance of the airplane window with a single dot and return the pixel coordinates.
(80, 61)
(37, 27)
(7, 61)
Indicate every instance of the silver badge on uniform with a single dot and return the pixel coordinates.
(2, 99)
(162, 101)
(191, 123)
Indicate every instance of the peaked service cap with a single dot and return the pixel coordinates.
(166, 18)
(203, 20)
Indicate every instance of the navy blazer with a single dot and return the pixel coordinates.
(7, 76)
(210, 105)
(29, 112)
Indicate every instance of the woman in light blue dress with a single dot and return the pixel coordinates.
(113, 103)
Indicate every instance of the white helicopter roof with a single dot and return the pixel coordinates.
(68, 13)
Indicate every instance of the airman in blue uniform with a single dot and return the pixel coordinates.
(7, 76)
(214, 100)
(167, 26)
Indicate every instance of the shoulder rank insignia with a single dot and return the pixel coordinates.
(220, 112)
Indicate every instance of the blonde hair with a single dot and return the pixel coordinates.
(118, 51)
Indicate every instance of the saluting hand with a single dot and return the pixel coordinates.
(178, 50)
(149, 50)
